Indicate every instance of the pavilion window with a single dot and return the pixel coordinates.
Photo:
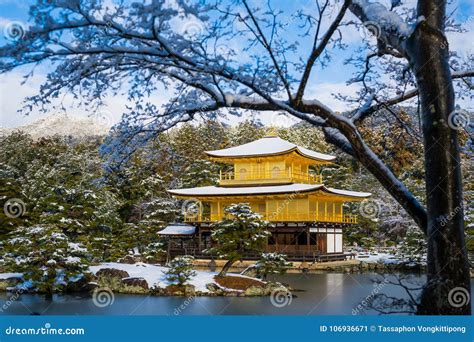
(286, 239)
(321, 207)
(330, 209)
(301, 238)
(243, 173)
(276, 172)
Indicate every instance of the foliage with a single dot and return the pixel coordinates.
(46, 256)
(62, 182)
(240, 233)
(272, 263)
(180, 269)
(412, 248)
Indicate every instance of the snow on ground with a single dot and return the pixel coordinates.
(154, 275)
(385, 258)
(10, 275)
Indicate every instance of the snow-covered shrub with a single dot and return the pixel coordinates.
(180, 269)
(412, 248)
(272, 263)
(45, 256)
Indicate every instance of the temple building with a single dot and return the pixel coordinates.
(282, 182)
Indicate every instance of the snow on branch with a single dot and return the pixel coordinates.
(389, 27)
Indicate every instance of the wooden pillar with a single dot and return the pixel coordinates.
(199, 239)
(325, 209)
(200, 211)
(266, 209)
(168, 251)
(308, 236)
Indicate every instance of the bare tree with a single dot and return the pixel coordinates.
(230, 55)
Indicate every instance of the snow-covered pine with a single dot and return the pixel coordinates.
(272, 263)
(46, 257)
(412, 248)
(241, 232)
(180, 270)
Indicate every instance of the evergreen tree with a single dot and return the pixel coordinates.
(272, 263)
(412, 248)
(240, 233)
(180, 270)
(46, 257)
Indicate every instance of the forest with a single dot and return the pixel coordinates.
(61, 185)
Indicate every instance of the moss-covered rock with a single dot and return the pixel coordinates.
(131, 281)
(112, 273)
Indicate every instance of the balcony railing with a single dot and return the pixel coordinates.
(282, 176)
(300, 217)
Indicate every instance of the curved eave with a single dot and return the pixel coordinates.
(342, 194)
(218, 157)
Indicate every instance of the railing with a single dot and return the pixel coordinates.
(229, 178)
(301, 217)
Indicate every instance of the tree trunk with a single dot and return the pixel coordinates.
(226, 267)
(448, 268)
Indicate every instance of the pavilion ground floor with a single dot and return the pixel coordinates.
(300, 241)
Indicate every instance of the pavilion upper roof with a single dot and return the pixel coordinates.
(268, 146)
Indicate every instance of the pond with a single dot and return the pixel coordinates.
(315, 294)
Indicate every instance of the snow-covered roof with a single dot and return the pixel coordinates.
(268, 146)
(178, 229)
(260, 190)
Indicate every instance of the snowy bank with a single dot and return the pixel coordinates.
(154, 275)
(385, 258)
(4, 276)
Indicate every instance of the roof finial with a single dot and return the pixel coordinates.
(271, 132)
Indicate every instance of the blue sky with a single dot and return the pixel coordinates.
(328, 80)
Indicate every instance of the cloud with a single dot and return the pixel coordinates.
(13, 93)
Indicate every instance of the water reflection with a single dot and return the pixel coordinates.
(315, 294)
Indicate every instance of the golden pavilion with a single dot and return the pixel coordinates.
(281, 182)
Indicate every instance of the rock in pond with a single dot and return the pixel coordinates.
(112, 272)
(134, 281)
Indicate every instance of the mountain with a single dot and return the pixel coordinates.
(63, 125)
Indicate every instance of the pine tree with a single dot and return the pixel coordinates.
(180, 270)
(272, 263)
(412, 248)
(46, 257)
(242, 232)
